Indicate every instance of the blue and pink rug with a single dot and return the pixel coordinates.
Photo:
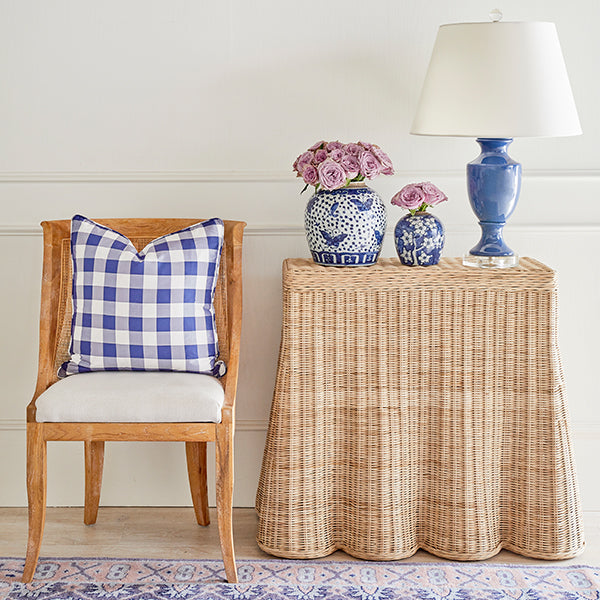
(139, 579)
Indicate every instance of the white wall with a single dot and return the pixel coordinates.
(183, 108)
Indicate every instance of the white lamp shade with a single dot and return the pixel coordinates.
(497, 80)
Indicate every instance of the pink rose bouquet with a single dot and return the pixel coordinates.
(417, 197)
(334, 165)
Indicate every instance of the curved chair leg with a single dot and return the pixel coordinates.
(224, 485)
(196, 464)
(36, 495)
(94, 463)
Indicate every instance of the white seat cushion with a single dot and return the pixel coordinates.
(132, 397)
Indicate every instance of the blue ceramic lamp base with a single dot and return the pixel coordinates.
(494, 183)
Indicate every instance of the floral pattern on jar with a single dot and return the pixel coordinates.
(419, 239)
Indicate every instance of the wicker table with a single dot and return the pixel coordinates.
(419, 408)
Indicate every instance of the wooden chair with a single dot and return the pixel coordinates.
(54, 339)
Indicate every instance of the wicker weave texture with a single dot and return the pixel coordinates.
(419, 408)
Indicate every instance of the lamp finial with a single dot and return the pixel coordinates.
(496, 15)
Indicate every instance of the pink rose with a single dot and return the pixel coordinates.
(387, 168)
(310, 175)
(304, 159)
(321, 155)
(356, 160)
(411, 196)
(331, 175)
(353, 149)
(351, 165)
(369, 165)
(336, 154)
(433, 193)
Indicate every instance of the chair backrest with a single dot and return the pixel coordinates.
(56, 305)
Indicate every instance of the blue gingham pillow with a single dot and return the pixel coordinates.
(146, 311)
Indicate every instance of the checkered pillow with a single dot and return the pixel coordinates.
(146, 311)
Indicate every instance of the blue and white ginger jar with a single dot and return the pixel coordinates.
(345, 227)
(419, 239)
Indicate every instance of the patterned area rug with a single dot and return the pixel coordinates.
(139, 579)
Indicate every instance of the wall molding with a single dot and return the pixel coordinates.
(250, 230)
(242, 176)
(298, 230)
(12, 424)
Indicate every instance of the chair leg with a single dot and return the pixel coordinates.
(196, 464)
(94, 463)
(224, 485)
(36, 495)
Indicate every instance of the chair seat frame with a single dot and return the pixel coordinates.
(94, 435)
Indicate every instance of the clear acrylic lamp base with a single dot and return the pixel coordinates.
(490, 262)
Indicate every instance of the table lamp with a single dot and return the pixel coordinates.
(496, 81)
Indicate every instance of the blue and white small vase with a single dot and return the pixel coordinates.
(345, 227)
(419, 239)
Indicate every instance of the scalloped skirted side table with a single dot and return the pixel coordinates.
(419, 407)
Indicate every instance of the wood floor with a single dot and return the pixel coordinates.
(173, 533)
